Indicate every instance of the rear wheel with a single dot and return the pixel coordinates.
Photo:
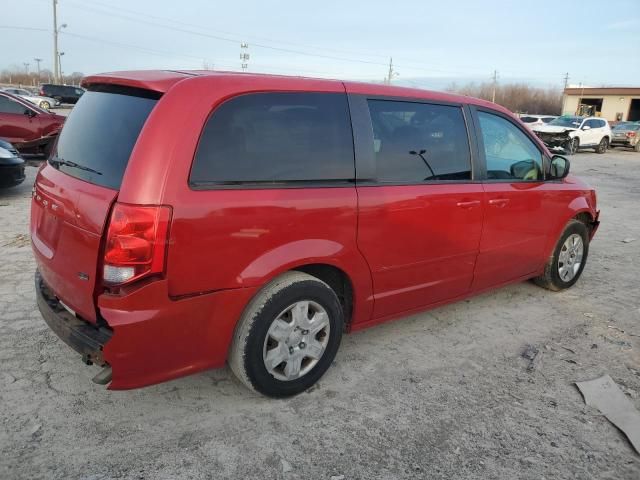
(288, 335)
(569, 257)
(45, 105)
(603, 145)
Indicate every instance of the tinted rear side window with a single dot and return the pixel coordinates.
(528, 119)
(417, 142)
(276, 137)
(99, 135)
(8, 105)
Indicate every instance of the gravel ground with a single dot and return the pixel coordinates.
(443, 394)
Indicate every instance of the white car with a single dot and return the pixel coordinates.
(536, 120)
(43, 102)
(571, 133)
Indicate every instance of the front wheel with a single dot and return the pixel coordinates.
(603, 145)
(288, 335)
(572, 146)
(569, 257)
(45, 105)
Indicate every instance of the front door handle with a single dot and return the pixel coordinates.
(469, 204)
(499, 202)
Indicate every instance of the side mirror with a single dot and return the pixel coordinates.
(29, 113)
(586, 127)
(559, 167)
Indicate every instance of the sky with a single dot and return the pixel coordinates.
(433, 43)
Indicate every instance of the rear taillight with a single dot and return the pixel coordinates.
(631, 134)
(136, 242)
(42, 92)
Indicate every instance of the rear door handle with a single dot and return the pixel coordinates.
(499, 202)
(469, 204)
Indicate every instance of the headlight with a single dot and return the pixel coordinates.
(4, 153)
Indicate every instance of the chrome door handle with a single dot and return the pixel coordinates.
(469, 204)
(499, 202)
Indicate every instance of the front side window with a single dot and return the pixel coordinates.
(7, 105)
(418, 142)
(276, 137)
(510, 154)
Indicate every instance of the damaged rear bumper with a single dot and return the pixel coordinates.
(147, 337)
(86, 339)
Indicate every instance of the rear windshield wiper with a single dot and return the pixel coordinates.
(56, 162)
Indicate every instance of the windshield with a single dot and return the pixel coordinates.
(573, 122)
(100, 133)
(628, 126)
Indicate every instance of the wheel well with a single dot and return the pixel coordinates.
(338, 281)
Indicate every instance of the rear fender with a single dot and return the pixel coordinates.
(316, 251)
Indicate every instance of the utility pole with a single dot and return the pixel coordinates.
(244, 56)
(26, 67)
(55, 41)
(60, 74)
(495, 82)
(564, 92)
(392, 73)
(38, 60)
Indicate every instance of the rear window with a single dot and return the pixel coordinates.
(271, 138)
(100, 132)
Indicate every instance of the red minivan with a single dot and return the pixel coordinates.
(189, 219)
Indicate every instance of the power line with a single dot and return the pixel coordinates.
(92, 8)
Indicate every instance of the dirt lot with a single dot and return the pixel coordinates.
(444, 394)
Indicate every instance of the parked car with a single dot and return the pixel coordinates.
(62, 93)
(187, 219)
(11, 166)
(29, 128)
(43, 102)
(572, 133)
(532, 121)
(627, 135)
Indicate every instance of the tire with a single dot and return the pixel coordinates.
(552, 278)
(252, 339)
(572, 146)
(45, 105)
(603, 145)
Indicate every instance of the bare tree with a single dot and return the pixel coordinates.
(15, 75)
(517, 97)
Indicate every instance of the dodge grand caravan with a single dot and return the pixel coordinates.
(189, 219)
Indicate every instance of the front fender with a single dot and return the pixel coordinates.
(577, 206)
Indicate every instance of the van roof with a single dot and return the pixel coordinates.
(162, 80)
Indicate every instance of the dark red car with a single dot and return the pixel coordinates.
(28, 127)
(188, 219)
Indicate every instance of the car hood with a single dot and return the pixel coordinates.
(554, 129)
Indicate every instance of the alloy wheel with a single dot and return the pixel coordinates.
(570, 257)
(296, 340)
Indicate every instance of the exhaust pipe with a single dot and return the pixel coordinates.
(103, 377)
